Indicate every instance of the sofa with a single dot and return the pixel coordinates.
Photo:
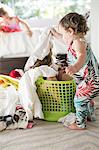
(15, 48)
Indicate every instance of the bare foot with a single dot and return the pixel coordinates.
(75, 127)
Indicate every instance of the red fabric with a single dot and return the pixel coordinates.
(7, 29)
(14, 74)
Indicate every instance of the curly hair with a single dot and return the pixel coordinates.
(75, 21)
(2, 12)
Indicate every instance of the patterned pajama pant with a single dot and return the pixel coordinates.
(84, 110)
(86, 91)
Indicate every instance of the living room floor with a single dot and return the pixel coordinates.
(52, 136)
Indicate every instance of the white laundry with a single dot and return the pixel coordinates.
(68, 119)
(27, 90)
(8, 101)
(46, 43)
(41, 50)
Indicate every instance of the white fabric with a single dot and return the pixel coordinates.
(46, 43)
(68, 119)
(41, 50)
(27, 90)
(8, 100)
(15, 43)
(58, 47)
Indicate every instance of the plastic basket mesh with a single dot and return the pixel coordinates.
(56, 98)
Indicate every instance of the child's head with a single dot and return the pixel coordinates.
(3, 13)
(73, 24)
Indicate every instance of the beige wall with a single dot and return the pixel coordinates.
(95, 27)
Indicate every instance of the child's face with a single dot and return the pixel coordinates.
(67, 34)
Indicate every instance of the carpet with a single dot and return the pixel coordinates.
(52, 136)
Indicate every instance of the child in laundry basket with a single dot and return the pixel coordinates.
(82, 66)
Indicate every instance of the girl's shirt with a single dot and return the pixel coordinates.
(90, 62)
(10, 25)
(13, 23)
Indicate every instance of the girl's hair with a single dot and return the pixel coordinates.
(75, 21)
(2, 12)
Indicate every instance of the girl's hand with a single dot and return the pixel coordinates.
(53, 31)
(70, 70)
(29, 32)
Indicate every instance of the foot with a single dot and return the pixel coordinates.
(75, 127)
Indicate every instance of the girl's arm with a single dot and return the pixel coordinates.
(26, 25)
(80, 49)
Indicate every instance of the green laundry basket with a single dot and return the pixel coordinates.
(57, 98)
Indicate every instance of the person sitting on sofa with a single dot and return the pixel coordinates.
(12, 24)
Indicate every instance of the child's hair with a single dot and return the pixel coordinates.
(75, 21)
(2, 12)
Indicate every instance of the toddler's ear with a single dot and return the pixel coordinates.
(71, 31)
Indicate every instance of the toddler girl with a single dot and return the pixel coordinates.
(82, 66)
